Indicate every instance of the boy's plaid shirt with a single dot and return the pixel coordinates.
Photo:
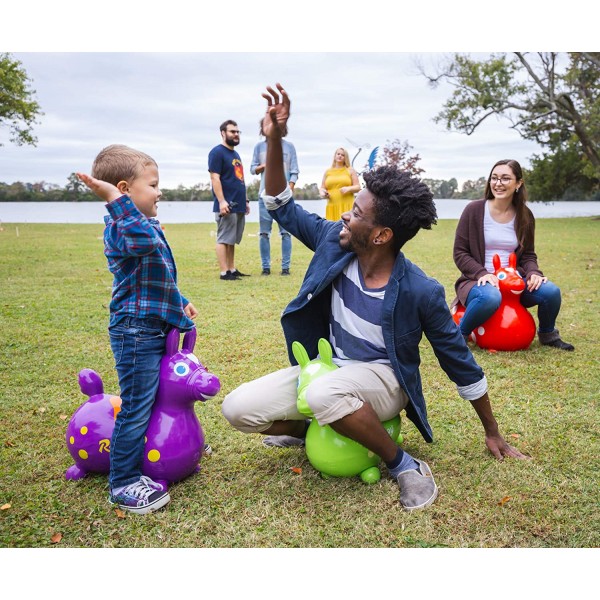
(145, 275)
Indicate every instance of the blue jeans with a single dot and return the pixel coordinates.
(138, 346)
(266, 224)
(484, 300)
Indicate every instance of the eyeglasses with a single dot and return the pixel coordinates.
(236, 131)
(504, 180)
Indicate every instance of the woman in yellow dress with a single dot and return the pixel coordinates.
(339, 185)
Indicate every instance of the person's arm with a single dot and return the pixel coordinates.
(496, 444)
(256, 167)
(462, 254)
(355, 187)
(102, 189)
(323, 190)
(528, 262)
(293, 170)
(460, 366)
(190, 311)
(215, 181)
(131, 233)
(274, 128)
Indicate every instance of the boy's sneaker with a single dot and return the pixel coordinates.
(285, 271)
(141, 497)
(159, 487)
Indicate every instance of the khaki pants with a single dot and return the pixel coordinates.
(254, 406)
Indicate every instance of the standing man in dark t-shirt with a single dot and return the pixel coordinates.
(230, 200)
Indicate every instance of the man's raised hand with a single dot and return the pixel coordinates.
(274, 123)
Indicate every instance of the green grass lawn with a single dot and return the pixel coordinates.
(54, 296)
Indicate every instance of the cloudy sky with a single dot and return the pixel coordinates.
(170, 105)
(104, 85)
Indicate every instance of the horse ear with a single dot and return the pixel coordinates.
(496, 262)
(300, 354)
(172, 345)
(189, 340)
(325, 351)
(90, 383)
(512, 260)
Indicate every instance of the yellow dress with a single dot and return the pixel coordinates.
(338, 203)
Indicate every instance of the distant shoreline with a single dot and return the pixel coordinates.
(201, 211)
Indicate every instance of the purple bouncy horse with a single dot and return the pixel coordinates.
(174, 438)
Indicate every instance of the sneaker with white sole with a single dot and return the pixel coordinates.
(417, 487)
(141, 497)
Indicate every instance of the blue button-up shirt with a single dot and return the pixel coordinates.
(145, 276)
(290, 162)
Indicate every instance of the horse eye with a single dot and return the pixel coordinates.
(181, 369)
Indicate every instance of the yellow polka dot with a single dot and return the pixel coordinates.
(71, 440)
(154, 456)
(83, 454)
(83, 430)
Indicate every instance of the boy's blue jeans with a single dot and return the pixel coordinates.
(266, 224)
(484, 300)
(138, 346)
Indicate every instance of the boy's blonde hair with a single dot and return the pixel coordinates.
(120, 163)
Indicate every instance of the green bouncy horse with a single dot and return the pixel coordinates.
(331, 453)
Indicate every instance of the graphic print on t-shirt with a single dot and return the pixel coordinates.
(238, 169)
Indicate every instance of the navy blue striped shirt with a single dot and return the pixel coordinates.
(145, 276)
(355, 329)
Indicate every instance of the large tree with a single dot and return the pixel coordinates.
(552, 98)
(18, 108)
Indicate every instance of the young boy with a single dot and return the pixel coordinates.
(146, 304)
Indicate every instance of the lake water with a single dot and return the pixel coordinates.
(201, 212)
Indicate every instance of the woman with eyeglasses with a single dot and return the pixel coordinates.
(502, 223)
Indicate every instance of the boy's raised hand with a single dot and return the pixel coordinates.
(104, 190)
(274, 123)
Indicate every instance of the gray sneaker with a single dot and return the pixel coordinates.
(282, 441)
(417, 487)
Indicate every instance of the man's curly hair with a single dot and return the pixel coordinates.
(402, 202)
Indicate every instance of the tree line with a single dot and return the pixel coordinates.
(75, 191)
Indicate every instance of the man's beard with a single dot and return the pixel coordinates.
(355, 244)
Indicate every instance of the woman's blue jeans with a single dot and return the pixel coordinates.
(138, 346)
(484, 300)
(266, 224)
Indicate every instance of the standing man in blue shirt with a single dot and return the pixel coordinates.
(230, 199)
(257, 167)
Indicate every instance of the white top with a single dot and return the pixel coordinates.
(500, 239)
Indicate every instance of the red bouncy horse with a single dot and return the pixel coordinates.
(511, 327)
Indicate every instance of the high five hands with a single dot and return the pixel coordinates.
(274, 123)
